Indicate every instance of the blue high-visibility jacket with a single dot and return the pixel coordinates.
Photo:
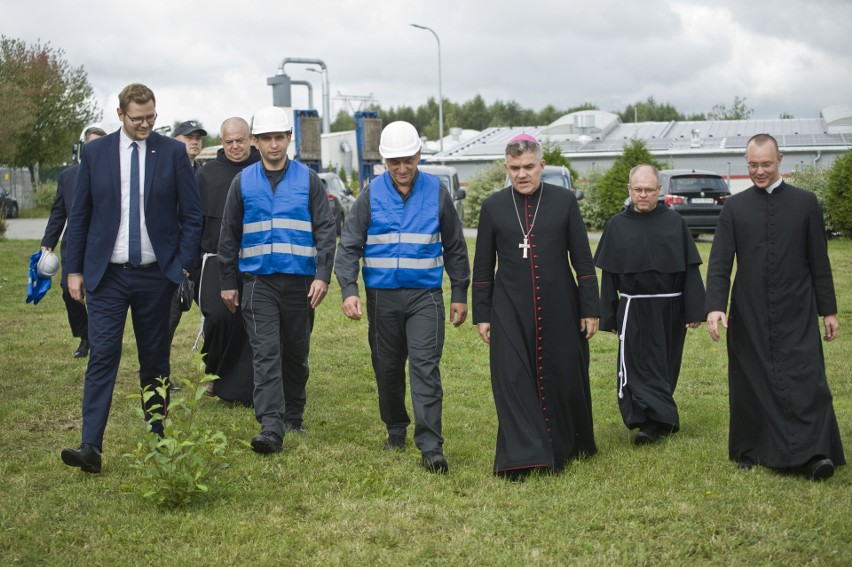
(403, 248)
(278, 235)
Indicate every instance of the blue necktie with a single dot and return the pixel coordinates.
(135, 253)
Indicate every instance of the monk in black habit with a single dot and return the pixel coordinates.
(651, 291)
(536, 317)
(781, 407)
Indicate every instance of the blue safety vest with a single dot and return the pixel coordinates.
(403, 248)
(278, 236)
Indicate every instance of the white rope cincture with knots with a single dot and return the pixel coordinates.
(622, 337)
(201, 298)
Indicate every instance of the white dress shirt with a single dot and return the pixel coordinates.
(120, 253)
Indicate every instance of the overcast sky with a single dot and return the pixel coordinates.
(209, 60)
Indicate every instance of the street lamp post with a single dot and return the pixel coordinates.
(440, 95)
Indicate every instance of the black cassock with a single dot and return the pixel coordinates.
(226, 350)
(642, 254)
(780, 403)
(539, 357)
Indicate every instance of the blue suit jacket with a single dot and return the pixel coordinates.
(61, 209)
(172, 208)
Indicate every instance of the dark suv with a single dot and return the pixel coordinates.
(696, 195)
(8, 205)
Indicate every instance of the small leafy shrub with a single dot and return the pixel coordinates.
(479, 187)
(3, 225)
(45, 195)
(839, 195)
(590, 207)
(177, 469)
(814, 178)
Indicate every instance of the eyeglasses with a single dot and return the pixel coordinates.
(644, 190)
(137, 120)
(765, 165)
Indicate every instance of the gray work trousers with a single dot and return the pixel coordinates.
(408, 323)
(279, 320)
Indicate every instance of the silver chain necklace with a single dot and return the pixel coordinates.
(525, 245)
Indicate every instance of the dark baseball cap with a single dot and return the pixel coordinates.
(189, 127)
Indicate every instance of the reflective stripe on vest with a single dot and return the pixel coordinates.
(403, 247)
(277, 230)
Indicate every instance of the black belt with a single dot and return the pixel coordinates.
(129, 266)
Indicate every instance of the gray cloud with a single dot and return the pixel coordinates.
(211, 61)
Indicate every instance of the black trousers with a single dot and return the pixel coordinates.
(78, 317)
(279, 319)
(408, 323)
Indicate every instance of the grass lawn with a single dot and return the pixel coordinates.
(334, 497)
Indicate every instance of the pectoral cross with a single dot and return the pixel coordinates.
(525, 245)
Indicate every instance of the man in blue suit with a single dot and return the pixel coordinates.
(134, 231)
(59, 213)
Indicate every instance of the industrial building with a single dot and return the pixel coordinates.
(594, 138)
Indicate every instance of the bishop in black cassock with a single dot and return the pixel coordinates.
(651, 289)
(534, 309)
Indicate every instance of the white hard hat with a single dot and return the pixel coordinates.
(47, 265)
(271, 119)
(399, 139)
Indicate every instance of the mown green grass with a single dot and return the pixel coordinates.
(335, 498)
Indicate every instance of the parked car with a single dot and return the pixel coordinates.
(339, 197)
(449, 178)
(8, 204)
(696, 195)
(556, 175)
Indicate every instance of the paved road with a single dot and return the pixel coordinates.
(25, 229)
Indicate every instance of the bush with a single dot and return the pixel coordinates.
(177, 468)
(552, 155)
(3, 225)
(45, 195)
(814, 178)
(612, 190)
(839, 194)
(593, 216)
(480, 187)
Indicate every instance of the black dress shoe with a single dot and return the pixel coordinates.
(82, 350)
(87, 458)
(294, 427)
(267, 442)
(646, 436)
(395, 443)
(819, 468)
(434, 462)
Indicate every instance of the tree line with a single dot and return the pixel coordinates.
(476, 114)
(47, 102)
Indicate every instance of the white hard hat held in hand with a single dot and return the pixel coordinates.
(48, 264)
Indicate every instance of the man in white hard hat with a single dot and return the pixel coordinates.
(278, 236)
(78, 318)
(407, 231)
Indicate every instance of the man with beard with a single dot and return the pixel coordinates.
(536, 317)
(226, 350)
(651, 290)
(781, 408)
